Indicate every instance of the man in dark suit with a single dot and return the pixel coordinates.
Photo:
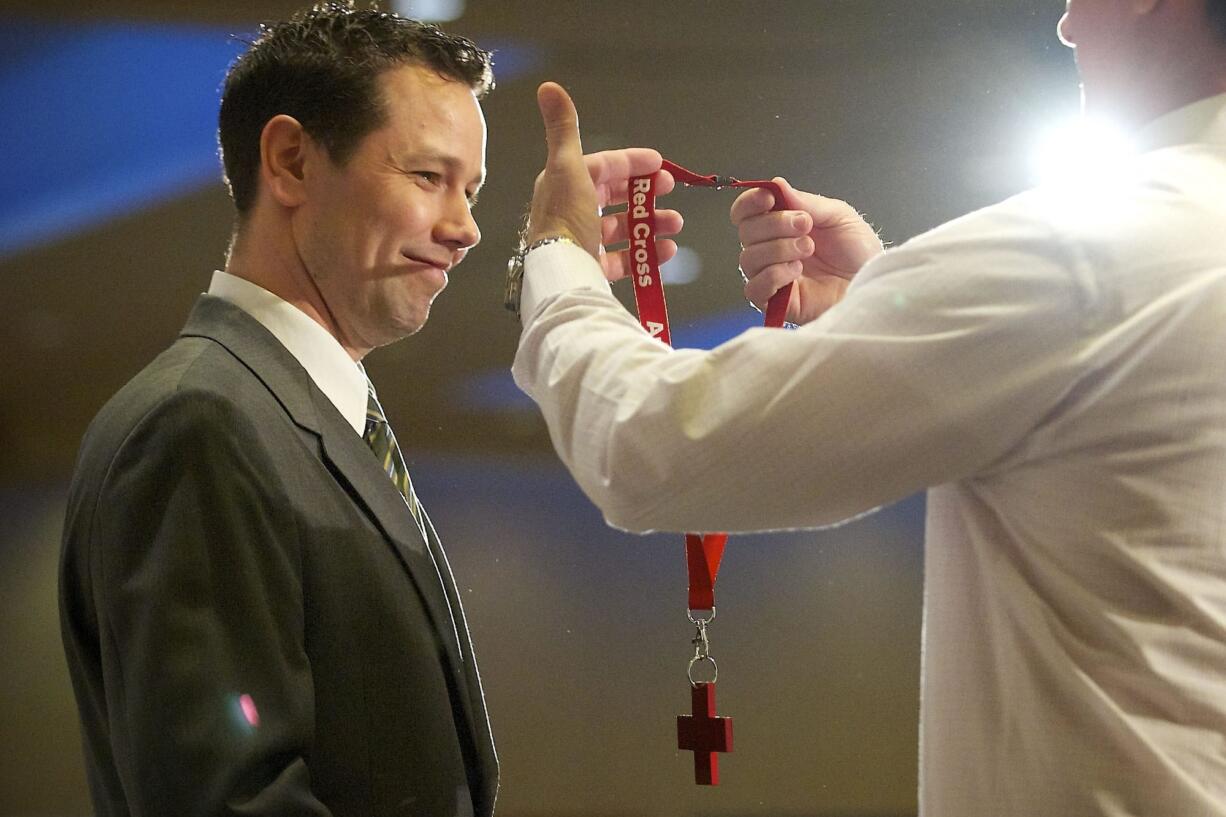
(257, 614)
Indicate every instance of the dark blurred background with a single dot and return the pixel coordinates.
(112, 218)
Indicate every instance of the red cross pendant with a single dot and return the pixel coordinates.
(704, 734)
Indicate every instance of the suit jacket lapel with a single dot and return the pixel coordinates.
(352, 460)
(485, 759)
(427, 565)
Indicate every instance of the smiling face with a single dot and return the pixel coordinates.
(379, 233)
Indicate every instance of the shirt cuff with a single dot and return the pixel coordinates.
(554, 269)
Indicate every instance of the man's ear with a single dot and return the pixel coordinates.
(284, 145)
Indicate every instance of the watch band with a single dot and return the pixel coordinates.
(515, 270)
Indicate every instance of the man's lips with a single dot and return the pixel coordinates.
(439, 264)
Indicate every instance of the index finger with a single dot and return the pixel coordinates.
(611, 171)
(609, 166)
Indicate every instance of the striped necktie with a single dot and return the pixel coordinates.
(382, 441)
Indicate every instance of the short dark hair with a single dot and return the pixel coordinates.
(321, 67)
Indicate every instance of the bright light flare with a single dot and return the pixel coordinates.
(1082, 151)
(430, 11)
(683, 268)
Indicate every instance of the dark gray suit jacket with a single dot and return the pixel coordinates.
(252, 621)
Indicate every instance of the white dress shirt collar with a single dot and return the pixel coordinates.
(325, 360)
(1204, 121)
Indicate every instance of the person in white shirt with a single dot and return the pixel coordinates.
(258, 617)
(1052, 369)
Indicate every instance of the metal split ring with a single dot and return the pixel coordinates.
(695, 661)
(699, 620)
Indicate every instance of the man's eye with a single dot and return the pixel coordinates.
(472, 199)
(428, 175)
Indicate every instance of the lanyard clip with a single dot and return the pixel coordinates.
(692, 179)
(702, 651)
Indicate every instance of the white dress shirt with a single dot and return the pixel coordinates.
(1053, 370)
(335, 373)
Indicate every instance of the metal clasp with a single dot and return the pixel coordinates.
(702, 649)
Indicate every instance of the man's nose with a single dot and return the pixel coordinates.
(1062, 31)
(457, 228)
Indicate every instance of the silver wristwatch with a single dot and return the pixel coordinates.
(515, 270)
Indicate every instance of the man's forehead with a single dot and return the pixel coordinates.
(431, 117)
(418, 96)
(424, 84)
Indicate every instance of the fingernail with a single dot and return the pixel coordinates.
(802, 244)
(799, 222)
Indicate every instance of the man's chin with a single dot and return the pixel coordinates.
(410, 324)
(1111, 102)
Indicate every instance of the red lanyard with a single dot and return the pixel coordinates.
(641, 223)
(703, 732)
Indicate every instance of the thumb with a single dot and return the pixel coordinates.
(561, 123)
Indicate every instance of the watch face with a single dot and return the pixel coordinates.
(515, 279)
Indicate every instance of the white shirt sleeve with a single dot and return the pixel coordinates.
(944, 353)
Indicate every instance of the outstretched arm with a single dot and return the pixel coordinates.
(938, 359)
